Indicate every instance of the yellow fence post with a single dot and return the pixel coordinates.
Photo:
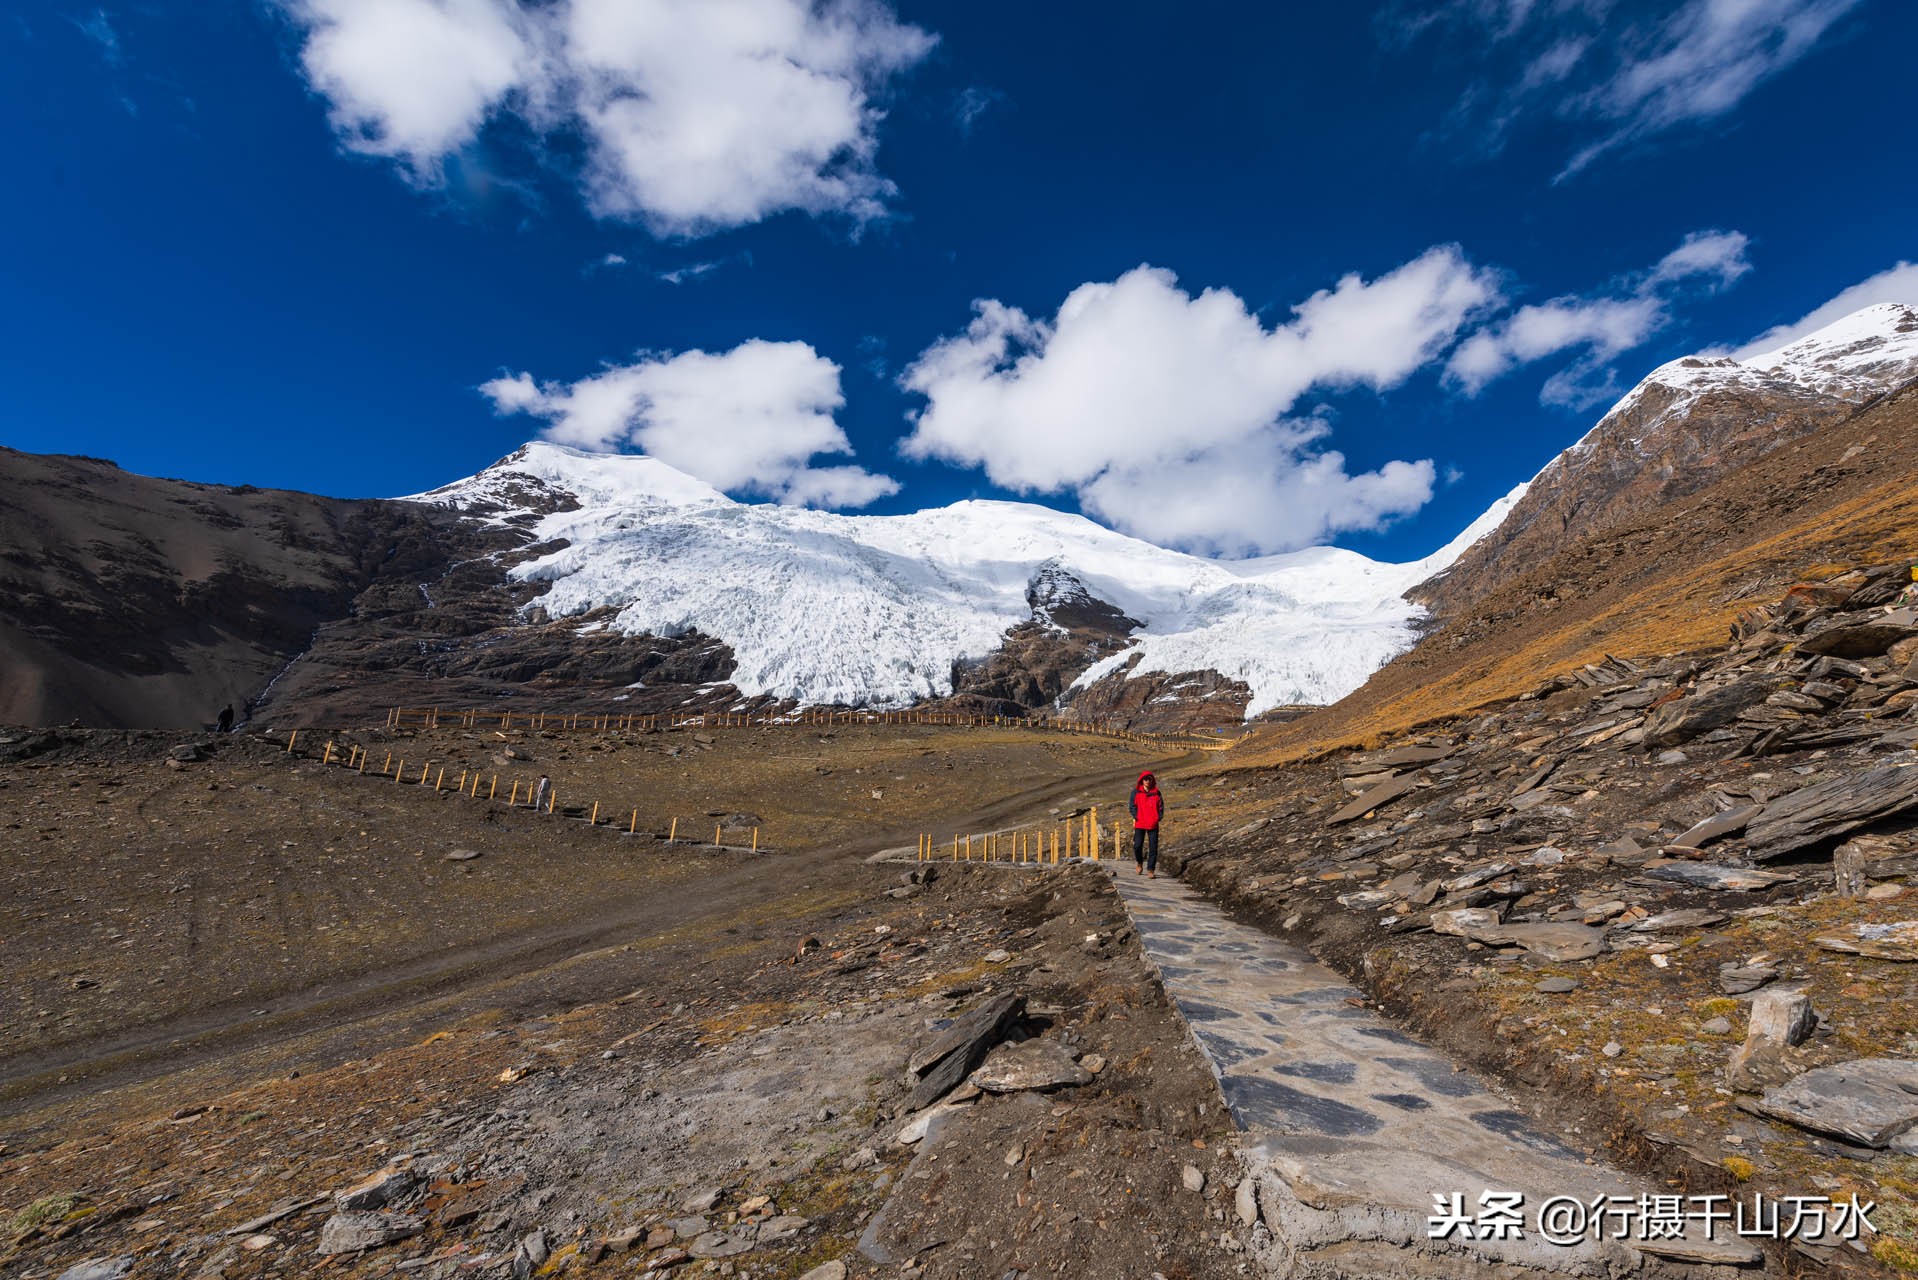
(513, 800)
(716, 827)
(755, 839)
(492, 790)
(594, 820)
(673, 834)
(634, 829)
(439, 780)
(326, 757)
(292, 738)
(399, 772)
(1092, 830)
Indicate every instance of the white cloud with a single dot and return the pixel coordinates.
(1701, 63)
(1599, 326)
(1717, 257)
(748, 421)
(1894, 284)
(1166, 413)
(695, 115)
(1616, 80)
(414, 79)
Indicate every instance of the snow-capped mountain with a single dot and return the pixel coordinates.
(821, 607)
(875, 610)
(1849, 361)
(1687, 423)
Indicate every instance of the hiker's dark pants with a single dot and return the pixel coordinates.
(1145, 847)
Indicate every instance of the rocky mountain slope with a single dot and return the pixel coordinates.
(1670, 892)
(1671, 578)
(1687, 425)
(126, 600)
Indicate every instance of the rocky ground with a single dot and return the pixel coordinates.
(1670, 898)
(242, 980)
(179, 900)
(743, 1116)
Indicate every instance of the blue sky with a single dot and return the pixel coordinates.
(1234, 282)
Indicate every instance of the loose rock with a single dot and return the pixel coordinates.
(1036, 1064)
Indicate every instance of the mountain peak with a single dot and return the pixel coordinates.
(1687, 423)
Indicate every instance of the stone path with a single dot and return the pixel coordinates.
(1353, 1127)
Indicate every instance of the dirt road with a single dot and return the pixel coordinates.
(574, 914)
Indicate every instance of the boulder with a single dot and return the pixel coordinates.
(374, 1192)
(1737, 979)
(355, 1232)
(1679, 722)
(1466, 922)
(722, 1244)
(1036, 1064)
(1871, 1101)
(1832, 808)
(98, 1269)
(1857, 641)
(943, 1061)
(1398, 757)
(1780, 1019)
(1862, 859)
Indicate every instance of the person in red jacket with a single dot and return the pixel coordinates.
(1148, 809)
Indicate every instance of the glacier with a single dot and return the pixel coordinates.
(823, 607)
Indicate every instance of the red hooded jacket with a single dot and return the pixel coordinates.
(1147, 806)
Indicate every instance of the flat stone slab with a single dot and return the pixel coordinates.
(356, 1232)
(1384, 793)
(1552, 941)
(1832, 808)
(1895, 941)
(1722, 824)
(1035, 1064)
(1871, 1101)
(1356, 1126)
(1711, 875)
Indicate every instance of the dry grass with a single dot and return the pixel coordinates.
(1674, 608)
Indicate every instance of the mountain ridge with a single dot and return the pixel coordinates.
(1685, 424)
(876, 610)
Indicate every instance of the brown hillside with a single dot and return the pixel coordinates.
(127, 601)
(1666, 581)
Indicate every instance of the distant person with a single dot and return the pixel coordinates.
(540, 792)
(1147, 807)
(226, 718)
